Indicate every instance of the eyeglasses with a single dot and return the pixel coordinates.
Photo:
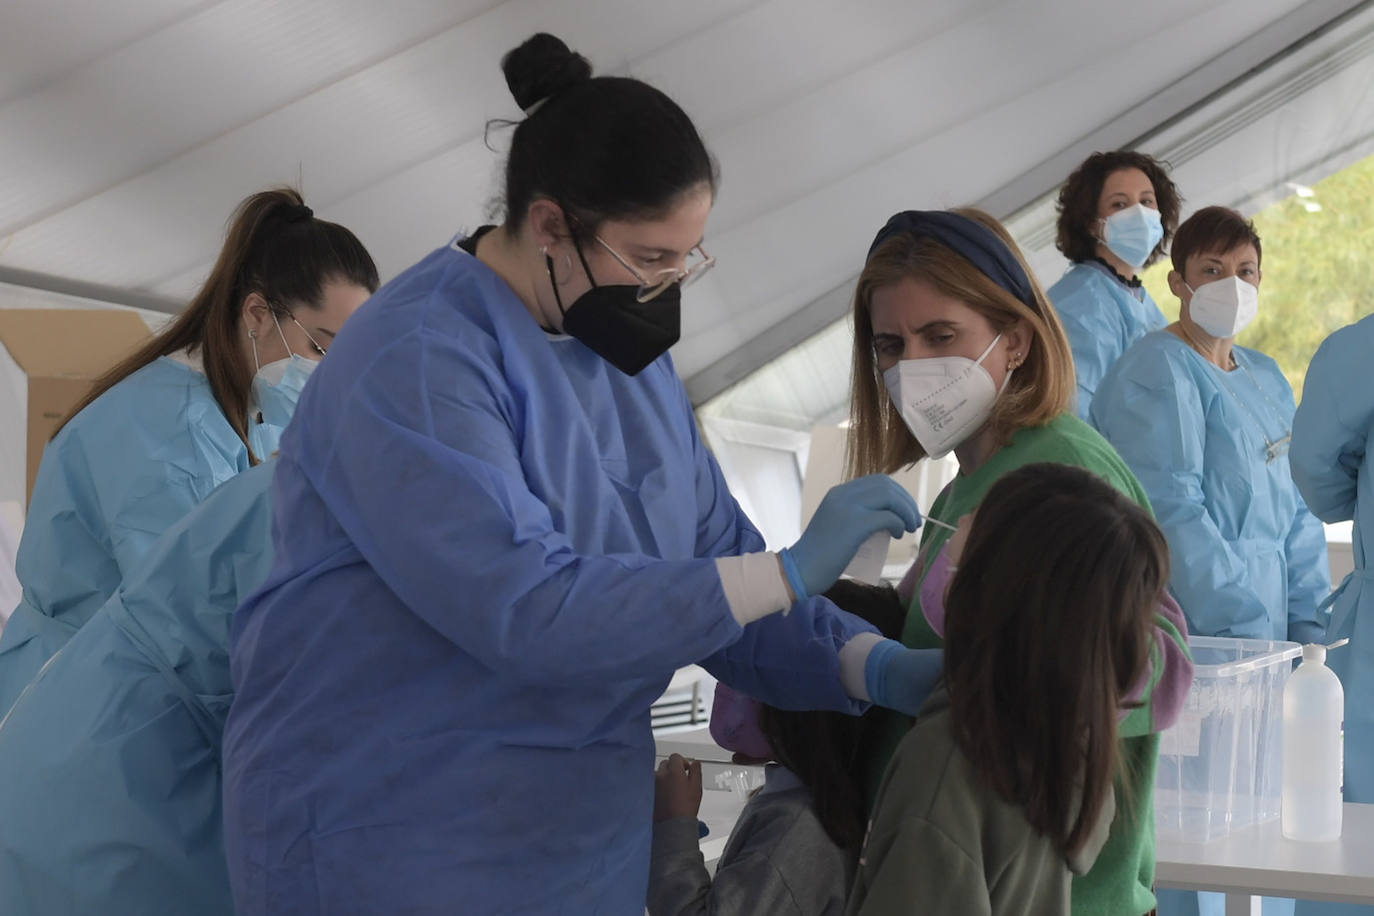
(652, 287)
(308, 336)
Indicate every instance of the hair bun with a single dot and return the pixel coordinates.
(541, 67)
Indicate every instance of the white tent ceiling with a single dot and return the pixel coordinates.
(1304, 115)
(129, 130)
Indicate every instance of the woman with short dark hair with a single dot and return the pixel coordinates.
(1205, 424)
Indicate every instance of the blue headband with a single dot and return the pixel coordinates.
(968, 238)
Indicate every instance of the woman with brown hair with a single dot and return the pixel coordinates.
(1004, 788)
(957, 349)
(204, 399)
(1117, 212)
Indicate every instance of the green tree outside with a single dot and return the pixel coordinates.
(1318, 269)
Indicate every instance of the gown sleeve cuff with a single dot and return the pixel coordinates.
(854, 664)
(754, 586)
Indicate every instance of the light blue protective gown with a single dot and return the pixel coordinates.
(1333, 433)
(1249, 560)
(1102, 317)
(109, 761)
(493, 549)
(116, 477)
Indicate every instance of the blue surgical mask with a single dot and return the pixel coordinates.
(277, 386)
(1132, 234)
(265, 439)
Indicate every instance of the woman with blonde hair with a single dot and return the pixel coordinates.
(957, 349)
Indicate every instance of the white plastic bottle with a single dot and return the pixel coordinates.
(1313, 711)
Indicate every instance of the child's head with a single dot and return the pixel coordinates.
(824, 749)
(1049, 626)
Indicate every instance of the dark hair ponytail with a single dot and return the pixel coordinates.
(275, 248)
(602, 147)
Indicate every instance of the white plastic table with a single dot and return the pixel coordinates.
(1258, 861)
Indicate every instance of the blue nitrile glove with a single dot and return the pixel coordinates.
(900, 678)
(849, 514)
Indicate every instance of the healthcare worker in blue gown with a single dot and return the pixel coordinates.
(1205, 424)
(196, 405)
(109, 760)
(497, 534)
(1333, 433)
(1117, 212)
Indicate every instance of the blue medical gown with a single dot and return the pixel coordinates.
(1102, 317)
(109, 761)
(1249, 560)
(116, 477)
(493, 549)
(1333, 434)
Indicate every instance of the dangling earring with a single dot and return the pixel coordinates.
(253, 336)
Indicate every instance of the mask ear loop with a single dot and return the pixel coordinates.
(257, 367)
(1006, 379)
(585, 266)
(980, 359)
(289, 353)
(553, 280)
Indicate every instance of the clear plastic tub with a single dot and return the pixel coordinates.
(1220, 765)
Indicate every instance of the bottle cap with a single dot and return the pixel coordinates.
(1314, 653)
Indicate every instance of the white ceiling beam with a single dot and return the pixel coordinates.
(114, 295)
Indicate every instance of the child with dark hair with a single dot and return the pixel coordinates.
(796, 842)
(1015, 772)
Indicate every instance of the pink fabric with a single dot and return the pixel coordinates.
(1171, 690)
(933, 591)
(735, 724)
(907, 587)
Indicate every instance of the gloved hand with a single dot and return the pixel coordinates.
(848, 515)
(900, 678)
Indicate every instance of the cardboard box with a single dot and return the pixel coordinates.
(48, 360)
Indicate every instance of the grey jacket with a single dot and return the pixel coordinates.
(941, 843)
(778, 860)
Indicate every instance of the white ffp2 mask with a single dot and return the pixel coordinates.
(943, 399)
(1225, 307)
